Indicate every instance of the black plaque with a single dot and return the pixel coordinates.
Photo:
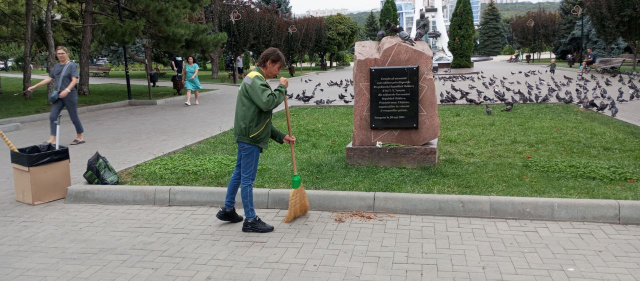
(394, 97)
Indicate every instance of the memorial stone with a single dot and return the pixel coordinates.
(411, 123)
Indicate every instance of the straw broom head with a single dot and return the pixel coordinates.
(8, 142)
(298, 201)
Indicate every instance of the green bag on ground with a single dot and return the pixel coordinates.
(100, 171)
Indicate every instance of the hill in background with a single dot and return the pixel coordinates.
(509, 10)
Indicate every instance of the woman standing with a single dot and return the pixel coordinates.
(65, 74)
(190, 79)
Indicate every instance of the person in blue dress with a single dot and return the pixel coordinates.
(190, 79)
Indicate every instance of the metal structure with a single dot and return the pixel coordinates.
(235, 16)
(577, 10)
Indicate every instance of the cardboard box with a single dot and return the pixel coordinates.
(41, 184)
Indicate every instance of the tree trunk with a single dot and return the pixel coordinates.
(28, 42)
(331, 60)
(635, 54)
(87, 30)
(50, 43)
(135, 58)
(147, 68)
(215, 60)
(0, 85)
(213, 20)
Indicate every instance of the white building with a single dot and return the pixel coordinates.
(326, 12)
(449, 5)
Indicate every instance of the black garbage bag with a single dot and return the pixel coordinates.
(100, 171)
(38, 155)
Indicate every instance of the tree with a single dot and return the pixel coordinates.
(28, 44)
(566, 24)
(627, 22)
(616, 18)
(490, 29)
(371, 27)
(320, 46)
(160, 29)
(461, 33)
(282, 6)
(389, 12)
(539, 36)
(87, 33)
(603, 21)
(341, 34)
(50, 42)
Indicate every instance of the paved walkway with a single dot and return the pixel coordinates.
(58, 241)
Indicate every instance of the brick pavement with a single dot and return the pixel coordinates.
(60, 241)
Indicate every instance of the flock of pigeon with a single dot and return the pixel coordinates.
(507, 90)
(342, 84)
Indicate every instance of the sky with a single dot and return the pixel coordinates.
(301, 6)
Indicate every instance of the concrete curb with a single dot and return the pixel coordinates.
(12, 127)
(45, 116)
(500, 207)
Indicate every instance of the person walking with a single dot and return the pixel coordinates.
(239, 66)
(252, 130)
(190, 79)
(552, 67)
(176, 64)
(65, 74)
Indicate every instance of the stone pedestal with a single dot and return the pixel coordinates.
(415, 152)
(400, 157)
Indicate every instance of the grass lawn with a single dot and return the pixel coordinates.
(533, 151)
(13, 106)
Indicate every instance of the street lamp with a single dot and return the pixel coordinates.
(235, 15)
(577, 10)
(532, 24)
(291, 30)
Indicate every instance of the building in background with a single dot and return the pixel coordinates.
(449, 5)
(326, 12)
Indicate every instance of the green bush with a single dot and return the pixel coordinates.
(461, 33)
(508, 50)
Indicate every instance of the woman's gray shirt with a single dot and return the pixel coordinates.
(72, 71)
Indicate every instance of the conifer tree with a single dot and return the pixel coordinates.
(389, 12)
(490, 32)
(371, 27)
(461, 34)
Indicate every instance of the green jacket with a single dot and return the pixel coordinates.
(254, 107)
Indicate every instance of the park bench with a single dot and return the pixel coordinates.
(609, 65)
(96, 71)
(629, 59)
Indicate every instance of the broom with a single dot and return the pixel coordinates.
(8, 142)
(298, 201)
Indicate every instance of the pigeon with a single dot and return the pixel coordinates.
(381, 34)
(508, 108)
(406, 37)
(394, 28)
(613, 108)
(487, 109)
(603, 106)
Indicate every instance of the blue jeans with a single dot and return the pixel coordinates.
(243, 176)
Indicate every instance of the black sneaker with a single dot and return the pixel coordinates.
(256, 225)
(230, 216)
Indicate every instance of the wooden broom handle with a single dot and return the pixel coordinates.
(293, 153)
